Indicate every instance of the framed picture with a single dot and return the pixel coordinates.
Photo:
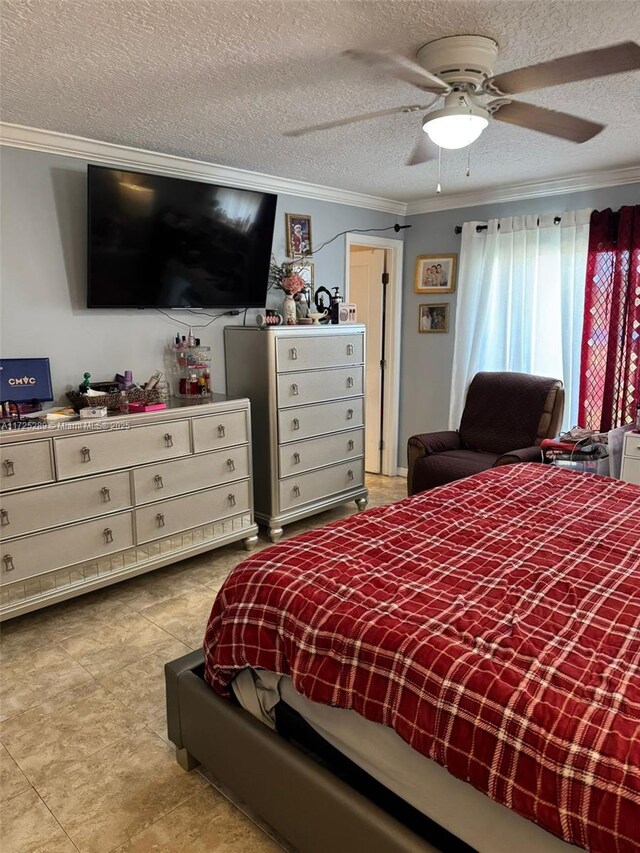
(435, 274)
(307, 273)
(298, 231)
(434, 318)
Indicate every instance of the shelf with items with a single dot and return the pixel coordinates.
(192, 371)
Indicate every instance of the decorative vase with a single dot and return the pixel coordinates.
(289, 310)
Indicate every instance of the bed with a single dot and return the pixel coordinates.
(490, 628)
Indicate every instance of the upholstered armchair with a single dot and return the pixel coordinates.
(506, 416)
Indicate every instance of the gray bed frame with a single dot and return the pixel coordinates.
(309, 806)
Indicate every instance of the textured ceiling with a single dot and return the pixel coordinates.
(219, 80)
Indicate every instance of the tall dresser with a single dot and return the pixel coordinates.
(306, 386)
(89, 503)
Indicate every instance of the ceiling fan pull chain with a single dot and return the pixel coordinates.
(469, 146)
(439, 187)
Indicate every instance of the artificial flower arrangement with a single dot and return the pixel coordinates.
(286, 276)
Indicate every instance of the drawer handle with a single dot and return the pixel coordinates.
(158, 481)
(349, 349)
(232, 499)
(350, 473)
(231, 465)
(160, 519)
(351, 444)
(294, 390)
(221, 431)
(295, 423)
(349, 381)
(8, 468)
(296, 491)
(168, 439)
(296, 458)
(4, 517)
(8, 563)
(293, 353)
(108, 534)
(106, 495)
(86, 454)
(349, 414)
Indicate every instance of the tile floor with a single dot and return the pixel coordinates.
(85, 764)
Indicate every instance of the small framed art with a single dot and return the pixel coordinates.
(298, 231)
(433, 318)
(435, 274)
(306, 272)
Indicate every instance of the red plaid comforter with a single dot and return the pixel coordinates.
(494, 623)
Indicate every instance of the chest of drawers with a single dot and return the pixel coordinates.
(89, 503)
(630, 470)
(306, 386)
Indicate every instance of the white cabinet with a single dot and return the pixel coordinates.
(125, 495)
(306, 386)
(630, 470)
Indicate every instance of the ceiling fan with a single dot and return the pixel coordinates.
(459, 69)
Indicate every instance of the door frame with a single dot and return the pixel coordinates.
(391, 398)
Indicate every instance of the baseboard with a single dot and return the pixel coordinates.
(402, 472)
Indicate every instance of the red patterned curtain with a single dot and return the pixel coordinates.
(610, 367)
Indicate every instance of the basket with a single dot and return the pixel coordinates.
(112, 401)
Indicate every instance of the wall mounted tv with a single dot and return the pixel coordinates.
(159, 242)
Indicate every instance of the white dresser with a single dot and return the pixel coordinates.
(88, 503)
(630, 470)
(306, 386)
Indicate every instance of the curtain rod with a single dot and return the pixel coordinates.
(479, 228)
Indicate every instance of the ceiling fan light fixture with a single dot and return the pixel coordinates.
(455, 127)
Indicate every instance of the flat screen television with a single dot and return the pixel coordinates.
(160, 242)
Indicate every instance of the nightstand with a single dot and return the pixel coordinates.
(630, 470)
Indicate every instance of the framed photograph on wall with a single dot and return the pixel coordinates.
(433, 318)
(298, 231)
(435, 274)
(307, 273)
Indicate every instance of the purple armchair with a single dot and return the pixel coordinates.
(506, 416)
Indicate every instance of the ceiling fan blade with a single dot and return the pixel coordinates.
(401, 68)
(327, 125)
(568, 69)
(421, 152)
(547, 121)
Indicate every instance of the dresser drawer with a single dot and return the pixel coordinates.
(55, 549)
(158, 482)
(37, 509)
(314, 386)
(308, 352)
(26, 464)
(102, 451)
(296, 424)
(218, 431)
(168, 517)
(631, 470)
(632, 445)
(297, 491)
(317, 452)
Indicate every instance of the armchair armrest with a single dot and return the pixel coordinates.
(523, 454)
(427, 444)
(433, 442)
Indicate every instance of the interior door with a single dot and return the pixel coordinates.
(366, 267)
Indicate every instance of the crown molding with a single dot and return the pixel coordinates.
(110, 154)
(536, 189)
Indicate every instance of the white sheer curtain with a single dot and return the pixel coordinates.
(521, 301)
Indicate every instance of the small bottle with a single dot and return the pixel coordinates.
(178, 339)
(123, 406)
(183, 342)
(207, 380)
(128, 379)
(183, 386)
(191, 341)
(193, 384)
(202, 386)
